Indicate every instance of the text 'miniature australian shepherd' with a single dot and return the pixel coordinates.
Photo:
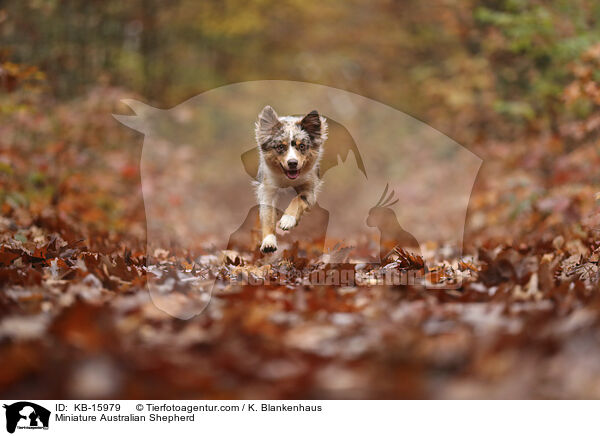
(290, 149)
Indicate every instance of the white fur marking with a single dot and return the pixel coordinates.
(269, 243)
(287, 222)
(291, 154)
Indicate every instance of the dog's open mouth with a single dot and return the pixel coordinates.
(291, 174)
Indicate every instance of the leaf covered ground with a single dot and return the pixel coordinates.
(77, 320)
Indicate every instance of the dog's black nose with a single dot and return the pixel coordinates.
(292, 164)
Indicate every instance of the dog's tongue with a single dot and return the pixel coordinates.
(292, 174)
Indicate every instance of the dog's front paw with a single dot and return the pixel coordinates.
(287, 222)
(269, 244)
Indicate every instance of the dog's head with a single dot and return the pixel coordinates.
(291, 144)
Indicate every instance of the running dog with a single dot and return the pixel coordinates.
(290, 148)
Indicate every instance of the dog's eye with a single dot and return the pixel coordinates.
(280, 148)
(301, 146)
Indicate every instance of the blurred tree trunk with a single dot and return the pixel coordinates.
(149, 48)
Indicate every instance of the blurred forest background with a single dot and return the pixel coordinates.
(473, 62)
(515, 81)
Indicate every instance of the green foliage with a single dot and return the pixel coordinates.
(530, 45)
(443, 61)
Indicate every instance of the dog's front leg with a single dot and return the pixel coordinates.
(267, 224)
(268, 216)
(299, 204)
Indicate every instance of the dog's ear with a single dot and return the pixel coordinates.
(267, 124)
(311, 123)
